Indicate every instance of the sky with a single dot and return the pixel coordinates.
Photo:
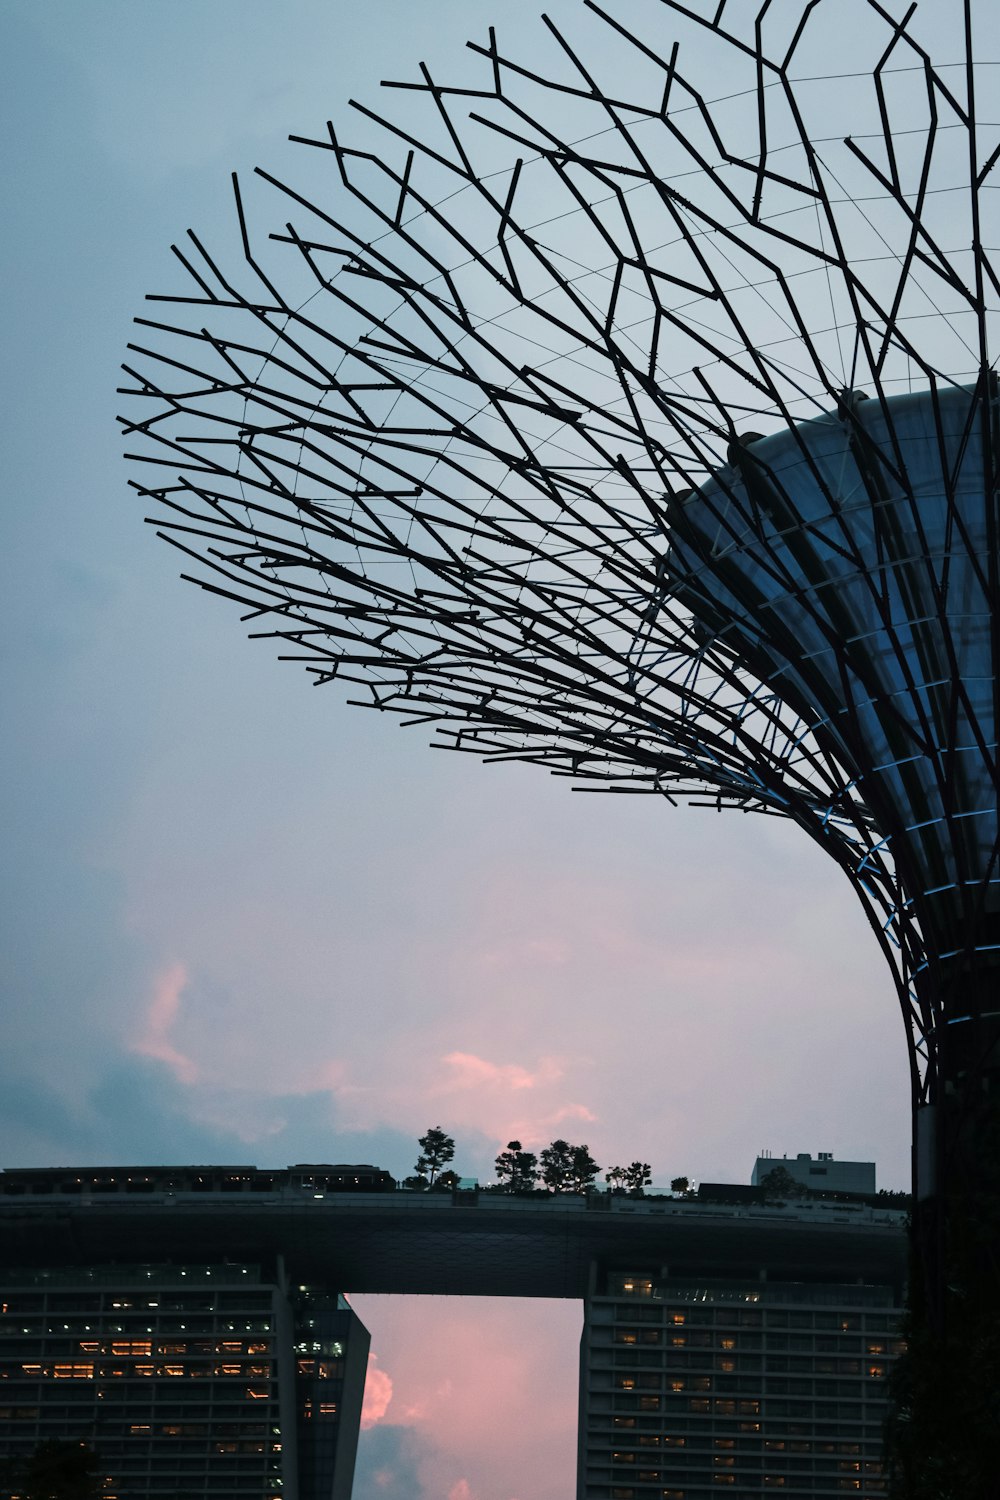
(246, 923)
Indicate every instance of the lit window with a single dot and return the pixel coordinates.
(728, 1343)
(255, 1394)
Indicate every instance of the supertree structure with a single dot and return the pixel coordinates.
(638, 419)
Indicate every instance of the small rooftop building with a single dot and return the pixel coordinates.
(823, 1174)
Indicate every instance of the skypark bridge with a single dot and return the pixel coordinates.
(485, 1245)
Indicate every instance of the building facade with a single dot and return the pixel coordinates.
(198, 1380)
(691, 1389)
(746, 1379)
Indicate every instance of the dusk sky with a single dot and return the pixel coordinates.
(247, 923)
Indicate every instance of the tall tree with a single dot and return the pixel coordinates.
(779, 1183)
(516, 1168)
(436, 1150)
(633, 1178)
(567, 1168)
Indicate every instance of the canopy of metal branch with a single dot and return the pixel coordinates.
(438, 424)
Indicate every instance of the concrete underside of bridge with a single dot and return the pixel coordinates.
(432, 1245)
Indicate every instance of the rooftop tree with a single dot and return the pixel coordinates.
(516, 1168)
(436, 1150)
(567, 1168)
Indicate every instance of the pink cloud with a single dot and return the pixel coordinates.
(539, 1132)
(480, 1438)
(378, 1394)
(469, 1071)
(164, 1008)
(571, 1112)
(319, 1076)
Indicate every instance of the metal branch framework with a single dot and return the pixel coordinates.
(650, 437)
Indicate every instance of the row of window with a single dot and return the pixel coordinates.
(704, 1441)
(13, 1336)
(217, 1428)
(88, 1370)
(747, 1465)
(885, 1323)
(683, 1360)
(810, 1344)
(825, 1410)
(144, 1346)
(864, 1488)
(24, 1396)
(802, 1385)
(244, 1300)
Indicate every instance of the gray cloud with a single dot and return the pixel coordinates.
(136, 1112)
(389, 1462)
